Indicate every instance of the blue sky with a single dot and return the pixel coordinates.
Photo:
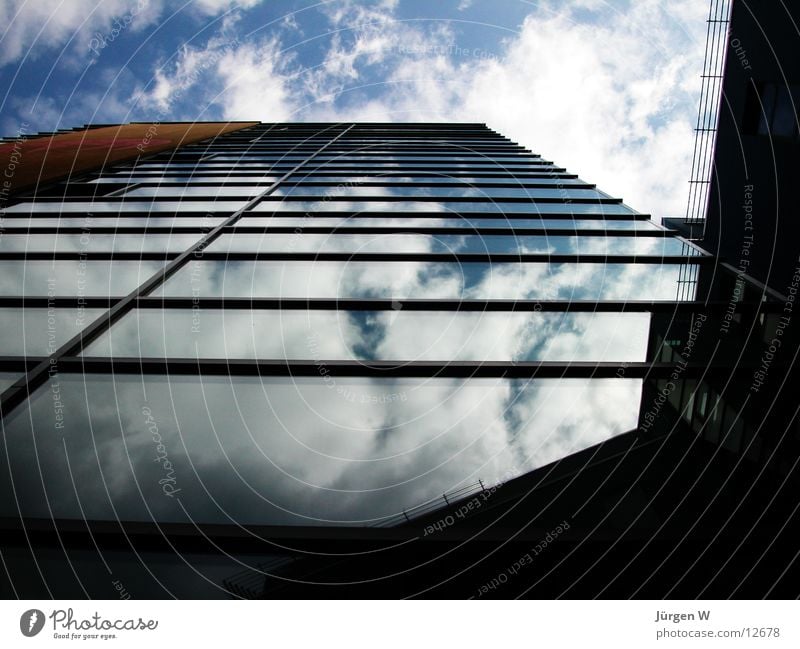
(608, 89)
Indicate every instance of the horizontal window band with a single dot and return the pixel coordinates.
(188, 214)
(247, 171)
(453, 369)
(253, 229)
(260, 211)
(343, 197)
(190, 229)
(509, 216)
(439, 166)
(464, 231)
(362, 169)
(327, 198)
(346, 256)
(356, 304)
(344, 187)
(379, 149)
(341, 144)
(462, 160)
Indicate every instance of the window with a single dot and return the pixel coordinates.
(771, 109)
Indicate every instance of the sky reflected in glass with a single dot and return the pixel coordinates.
(425, 280)
(392, 335)
(284, 451)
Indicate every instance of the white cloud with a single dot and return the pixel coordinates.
(256, 82)
(611, 97)
(31, 27)
(607, 90)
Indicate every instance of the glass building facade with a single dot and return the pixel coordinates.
(221, 360)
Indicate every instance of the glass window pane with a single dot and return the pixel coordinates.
(179, 192)
(112, 221)
(353, 181)
(74, 278)
(255, 180)
(407, 168)
(425, 280)
(42, 207)
(443, 206)
(88, 242)
(358, 221)
(340, 191)
(252, 451)
(393, 335)
(254, 157)
(39, 332)
(218, 167)
(784, 117)
(447, 243)
(413, 160)
(357, 167)
(768, 104)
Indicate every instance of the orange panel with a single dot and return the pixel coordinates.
(28, 163)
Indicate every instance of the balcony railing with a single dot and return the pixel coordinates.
(719, 13)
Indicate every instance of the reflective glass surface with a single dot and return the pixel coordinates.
(253, 157)
(288, 451)
(337, 191)
(178, 192)
(359, 166)
(40, 332)
(360, 221)
(434, 206)
(354, 181)
(381, 158)
(88, 242)
(74, 278)
(428, 280)
(255, 180)
(152, 220)
(184, 167)
(393, 335)
(127, 206)
(448, 243)
(444, 167)
(490, 158)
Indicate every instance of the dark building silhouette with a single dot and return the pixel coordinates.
(359, 360)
